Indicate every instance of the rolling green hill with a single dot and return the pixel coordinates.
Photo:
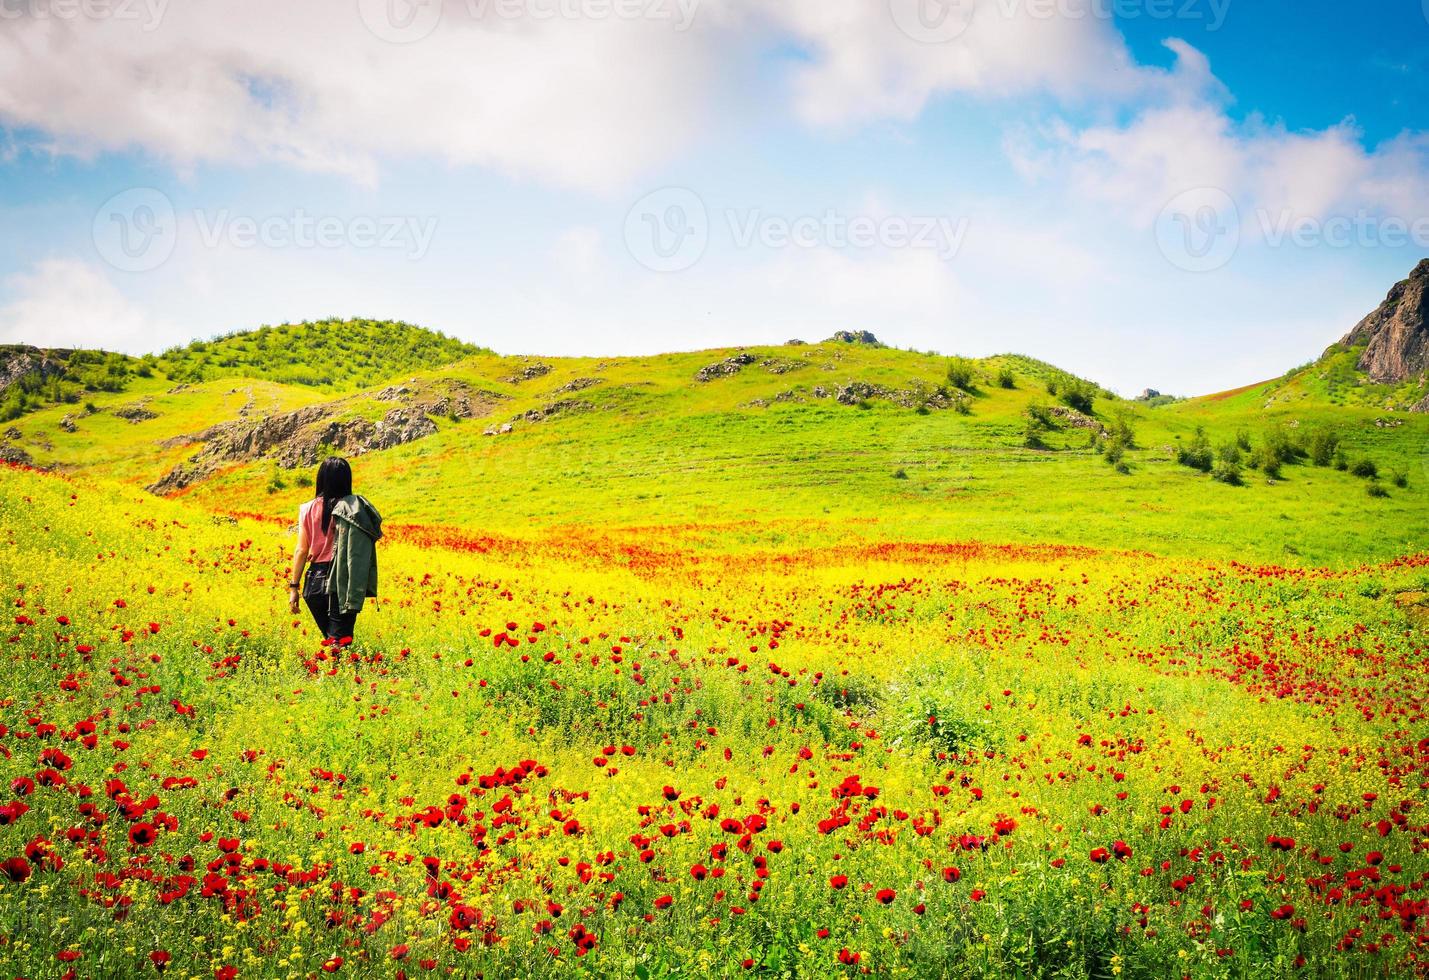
(836, 436)
(328, 355)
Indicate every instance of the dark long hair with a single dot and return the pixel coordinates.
(333, 483)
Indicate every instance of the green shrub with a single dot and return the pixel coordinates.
(1399, 478)
(1279, 445)
(1376, 490)
(1197, 453)
(1322, 445)
(1006, 379)
(1227, 472)
(1039, 423)
(1365, 469)
(962, 373)
(1076, 393)
(1265, 460)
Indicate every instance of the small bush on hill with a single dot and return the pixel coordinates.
(1006, 379)
(1365, 469)
(1197, 453)
(1375, 490)
(962, 373)
(1039, 423)
(1279, 446)
(1227, 472)
(1322, 445)
(1075, 393)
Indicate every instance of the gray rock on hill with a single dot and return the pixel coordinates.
(855, 337)
(19, 363)
(1396, 335)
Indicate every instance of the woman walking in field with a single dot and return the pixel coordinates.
(338, 533)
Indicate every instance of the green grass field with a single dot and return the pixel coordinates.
(803, 666)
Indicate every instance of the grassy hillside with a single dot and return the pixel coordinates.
(329, 355)
(697, 438)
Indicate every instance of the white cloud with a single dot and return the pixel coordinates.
(584, 103)
(1188, 141)
(588, 102)
(868, 60)
(68, 303)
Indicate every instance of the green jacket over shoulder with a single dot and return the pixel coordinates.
(354, 555)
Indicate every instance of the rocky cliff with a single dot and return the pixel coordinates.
(1396, 336)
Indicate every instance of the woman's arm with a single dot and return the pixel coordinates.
(300, 559)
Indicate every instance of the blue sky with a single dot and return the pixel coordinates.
(1184, 194)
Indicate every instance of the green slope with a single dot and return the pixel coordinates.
(643, 440)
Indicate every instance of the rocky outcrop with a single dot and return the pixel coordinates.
(1395, 336)
(531, 373)
(726, 367)
(135, 413)
(21, 363)
(579, 384)
(568, 406)
(1074, 418)
(918, 395)
(855, 337)
(306, 435)
(15, 456)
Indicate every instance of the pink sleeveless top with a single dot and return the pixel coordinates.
(320, 543)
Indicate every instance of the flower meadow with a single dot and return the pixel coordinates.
(674, 751)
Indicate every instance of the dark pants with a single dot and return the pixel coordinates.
(333, 624)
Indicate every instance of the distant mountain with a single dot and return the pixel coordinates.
(1395, 337)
